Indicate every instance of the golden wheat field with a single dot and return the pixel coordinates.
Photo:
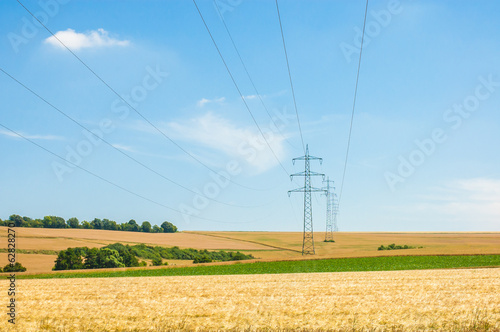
(450, 300)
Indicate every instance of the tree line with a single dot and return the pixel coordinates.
(119, 255)
(198, 256)
(59, 222)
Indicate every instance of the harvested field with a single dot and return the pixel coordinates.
(355, 244)
(35, 263)
(410, 300)
(269, 246)
(32, 238)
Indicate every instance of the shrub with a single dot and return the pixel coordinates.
(157, 261)
(393, 246)
(202, 259)
(14, 268)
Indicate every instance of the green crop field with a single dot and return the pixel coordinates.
(303, 266)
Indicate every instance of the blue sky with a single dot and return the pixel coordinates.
(424, 149)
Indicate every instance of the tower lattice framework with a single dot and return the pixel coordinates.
(308, 235)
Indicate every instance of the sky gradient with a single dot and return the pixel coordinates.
(424, 148)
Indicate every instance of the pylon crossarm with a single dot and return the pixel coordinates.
(298, 190)
(318, 190)
(317, 174)
(298, 174)
(307, 158)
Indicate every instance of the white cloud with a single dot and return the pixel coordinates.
(244, 144)
(205, 101)
(124, 147)
(476, 200)
(77, 40)
(34, 137)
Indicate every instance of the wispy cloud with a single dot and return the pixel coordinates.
(34, 137)
(242, 143)
(466, 199)
(124, 147)
(78, 40)
(205, 101)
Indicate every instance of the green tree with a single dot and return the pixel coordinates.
(168, 227)
(103, 258)
(128, 258)
(157, 229)
(92, 259)
(69, 259)
(203, 258)
(86, 225)
(27, 221)
(132, 226)
(73, 222)
(17, 267)
(17, 219)
(96, 223)
(146, 227)
(53, 222)
(157, 261)
(37, 223)
(110, 258)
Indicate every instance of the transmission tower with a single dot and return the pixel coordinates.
(308, 237)
(330, 228)
(335, 212)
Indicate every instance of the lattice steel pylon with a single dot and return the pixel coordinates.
(308, 236)
(335, 210)
(329, 210)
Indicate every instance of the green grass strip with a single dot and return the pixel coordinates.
(32, 251)
(305, 266)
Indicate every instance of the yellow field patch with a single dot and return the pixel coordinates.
(34, 263)
(355, 244)
(400, 300)
(262, 245)
(28, 238)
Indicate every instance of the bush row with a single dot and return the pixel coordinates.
(393, 246)
(198, 256)
(119, 255)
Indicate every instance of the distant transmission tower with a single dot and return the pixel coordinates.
(335, 212)
(330, 224)
(308, 238)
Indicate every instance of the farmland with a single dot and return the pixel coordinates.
(458, 300)
(266, 246)
(349, 284)
(383, 263)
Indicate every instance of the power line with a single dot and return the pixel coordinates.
(129, 105)
(290, 77)
(248, 74)
(112, 183)
(114, 147)
(237, 88)
(353, 105)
